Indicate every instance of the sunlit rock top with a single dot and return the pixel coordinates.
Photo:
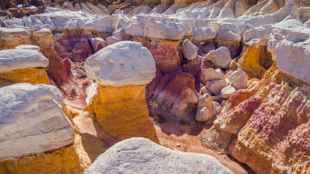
(20, 58)
(122, 63)
(32, 120)
(145, 156)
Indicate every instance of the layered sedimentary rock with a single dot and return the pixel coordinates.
(59, 67)
(47, 127)
(278, 128)
(12, 37)
(24, 147)
(264, 126)
(122, 70)
(245, 36)
(143, 156)
(23, 65)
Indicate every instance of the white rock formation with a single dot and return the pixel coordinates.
(12, 59)
(293, 59)
(140, 155)
(32, 120)
(122, 63)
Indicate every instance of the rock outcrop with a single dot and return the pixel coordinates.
(47, 127)
(23, 65)
(268, 122)
(144, 156)
(234, 73)
(122, 71)
(12, 37)
(47, 137)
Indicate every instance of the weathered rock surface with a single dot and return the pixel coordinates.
(59, 67)
(238, 79)
(120, 64)
(173, 96)
(125, 112)
(23, 65)
(211, 74)
(289, 55)
(78, 44)
(220, 57)
(282, 135)
(61, 161)
(252, 59)
(268, 120)
(11, 37)
(260, 123)
(215, 86)
(47, 127)
(14, 59)
(143, 156)
(166, 55)
(206, 109)
(122, 71)
(227, 91)
(190, 50)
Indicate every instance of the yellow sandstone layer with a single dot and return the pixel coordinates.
(28, 75)
(254, 60)
(62, 161)
(122, 112)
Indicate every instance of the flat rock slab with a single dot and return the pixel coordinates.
(32, 121)
(142, 156)
(14, 59)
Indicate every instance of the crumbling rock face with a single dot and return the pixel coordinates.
(283, 134)
(266, 121)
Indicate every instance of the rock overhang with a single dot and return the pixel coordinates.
(120, 64)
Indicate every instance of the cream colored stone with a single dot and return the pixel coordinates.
(32, 120)
(122, 63)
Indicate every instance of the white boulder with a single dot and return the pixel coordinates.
(20, 58)
(122, 63)
(220, 57)
(32, 120)
(140, 155)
